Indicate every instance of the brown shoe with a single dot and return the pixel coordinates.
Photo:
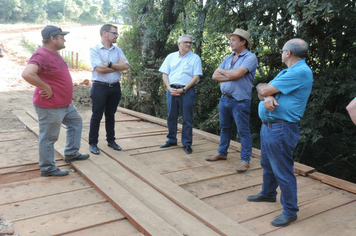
(216, 157)
(243, 166)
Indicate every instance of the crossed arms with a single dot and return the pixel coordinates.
(265, 92)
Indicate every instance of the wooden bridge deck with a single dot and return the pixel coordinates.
(146, 190)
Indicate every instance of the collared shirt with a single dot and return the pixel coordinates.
(241, 88)
(295, 84)
(180, 70)
(100, 54)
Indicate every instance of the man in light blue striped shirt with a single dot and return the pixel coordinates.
(107, 63)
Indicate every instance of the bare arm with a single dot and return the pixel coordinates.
(266, 89)
(173, 91)
(351, 109)
(265, 92)
(228, 75)
(178, 92)
(30, 74)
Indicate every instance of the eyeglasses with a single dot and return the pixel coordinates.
(188, 43)
(114, 33)
(282, 50)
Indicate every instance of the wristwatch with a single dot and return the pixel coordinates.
(220, 71)
(109, 64)
(184, 91)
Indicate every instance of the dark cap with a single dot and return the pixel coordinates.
(51, 30)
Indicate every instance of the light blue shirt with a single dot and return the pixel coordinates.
(100, 54)
(180, 70)
(241, 88)
(295, 84)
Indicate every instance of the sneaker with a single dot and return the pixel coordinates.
(81, 157)
(56, 173)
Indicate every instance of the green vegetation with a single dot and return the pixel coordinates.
(83, 11)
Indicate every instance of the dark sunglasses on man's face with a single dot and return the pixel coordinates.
(114, 33)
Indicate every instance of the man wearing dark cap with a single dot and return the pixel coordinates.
(52, 100)
(236, 74)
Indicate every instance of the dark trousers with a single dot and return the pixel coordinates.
(104, 99)
(184, 103)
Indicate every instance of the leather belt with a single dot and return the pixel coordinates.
(273, 122)
(229, 96)
(177, 86)
(107, 84)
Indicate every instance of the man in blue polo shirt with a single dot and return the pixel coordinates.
(181, 71)
(283, 102)
(236, 74)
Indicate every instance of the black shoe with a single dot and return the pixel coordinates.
(282, 220)
(81, 157)
(167, 144)
(94, 149)
(188, 149)
(115, 146)
(56, 173)
(260, 198)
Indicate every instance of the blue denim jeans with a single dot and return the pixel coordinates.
(50, 121)
(277, 143)
(184, 103)
(104, 99)
(231, 111)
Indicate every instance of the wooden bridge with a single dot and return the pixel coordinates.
(146, 190)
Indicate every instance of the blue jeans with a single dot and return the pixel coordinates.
(104, 99)
(277, 143)
(184, 103)
(50, 121)
(231, 110)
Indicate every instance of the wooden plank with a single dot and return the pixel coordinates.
(344, 229)
(119, 117)
(68, 221)
(222, 168)
(196, 132)
(168, 161)
(302, 169)
(50, 204)
(262, 225)
(117, 228)
(138, 213)
(236, 198)
(250, 210)
(40, 187)
(28, 167)
(208, 215)
(338, 221)
(21, 158)
(339, 183)
(197, 147)
(158, 203)
(226, 184)
(12, 136)
(204, 213)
